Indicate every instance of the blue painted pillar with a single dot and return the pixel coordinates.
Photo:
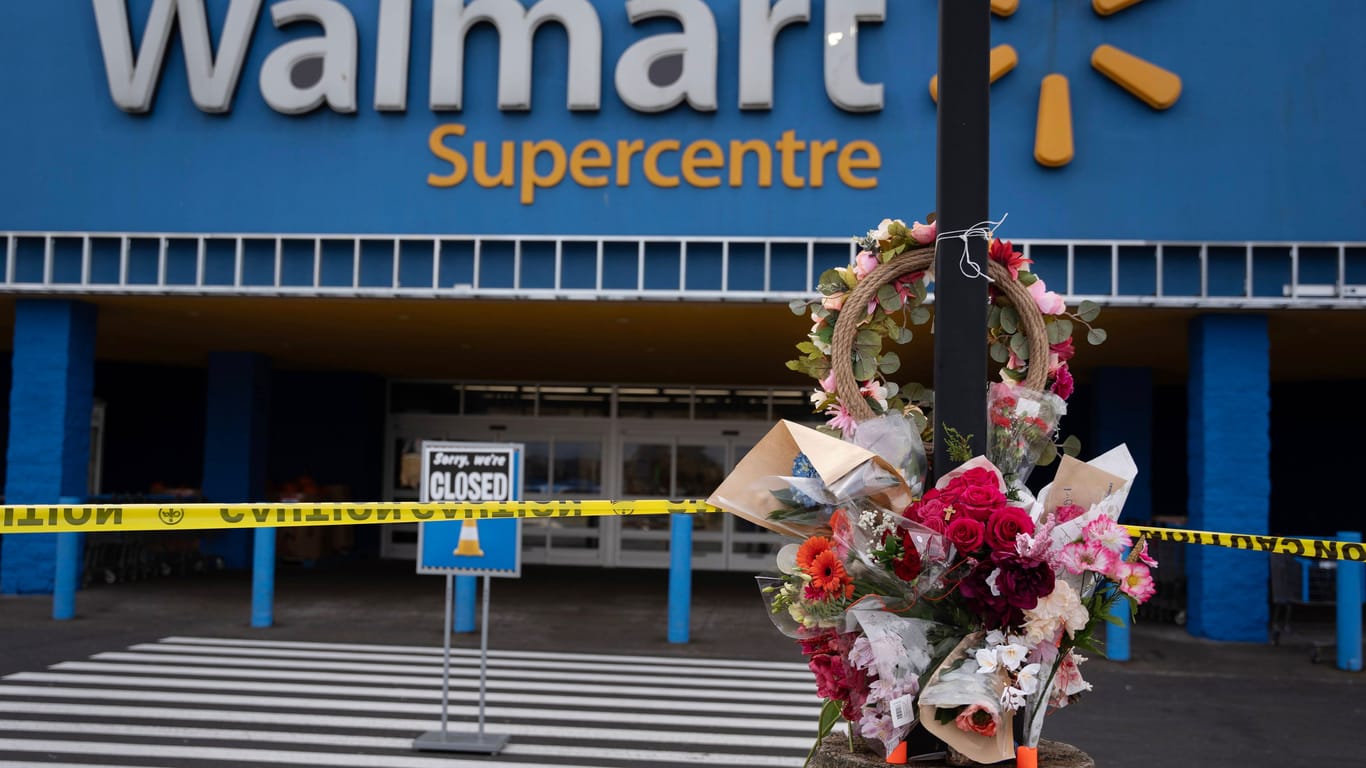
(680, 578)
(51, 397)
(236, 441)
(1228, 450)
(1349, 599)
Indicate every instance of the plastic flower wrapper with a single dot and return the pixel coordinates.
(897, 440)
(961, 704)
(895, 557)
(814, 590)
(767, 489)
(893, 652)
(1023, 423)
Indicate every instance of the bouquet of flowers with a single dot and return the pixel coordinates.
(965, 608)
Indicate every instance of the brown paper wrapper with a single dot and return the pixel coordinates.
(746, 491)
(975, 746)
(1080, 483)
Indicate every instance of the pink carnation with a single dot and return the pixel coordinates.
(1110, 534)
(1135, 580)
(1079, 557)
(1063, 382)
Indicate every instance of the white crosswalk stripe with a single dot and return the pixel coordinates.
(211, 702)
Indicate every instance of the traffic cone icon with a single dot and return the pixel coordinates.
(469, 540)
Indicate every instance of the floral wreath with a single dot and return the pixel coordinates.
(900, 303)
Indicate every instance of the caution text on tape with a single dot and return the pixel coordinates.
(94, 518)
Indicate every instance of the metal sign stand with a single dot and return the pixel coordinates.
(443, 740)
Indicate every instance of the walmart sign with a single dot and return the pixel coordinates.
(677, 117)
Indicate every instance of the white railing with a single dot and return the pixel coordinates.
(1248, 275)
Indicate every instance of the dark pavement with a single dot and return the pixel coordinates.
(1181, 701)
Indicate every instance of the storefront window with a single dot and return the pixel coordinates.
(578, 469)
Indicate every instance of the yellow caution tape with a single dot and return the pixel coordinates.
(1327, 549)
(95, 518)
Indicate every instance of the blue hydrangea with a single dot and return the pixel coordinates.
(802, 467)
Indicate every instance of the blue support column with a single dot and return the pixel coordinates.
(236, 440)
(1349, 607)
(1121, 412)
(680, 578)
(465, 596)
(1117, 635)
(1229, 449)
(51, 397)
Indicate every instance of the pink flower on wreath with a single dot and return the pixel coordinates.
(1003, 252)
(1049, 302)
(841, 419)
(864, 264)
(834, 302)
(1079, 557)
(828, 383)
(1135, 580)
(925, 234)
(1063, 383)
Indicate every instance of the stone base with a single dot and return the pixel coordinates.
(834, 753)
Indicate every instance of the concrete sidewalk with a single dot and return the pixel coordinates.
(1180, 702)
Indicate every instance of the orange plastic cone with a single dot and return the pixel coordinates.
(1026, 757)
(898, 755)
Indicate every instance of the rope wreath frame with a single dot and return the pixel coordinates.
(847, 325)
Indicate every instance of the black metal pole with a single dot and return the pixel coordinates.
(960, 346)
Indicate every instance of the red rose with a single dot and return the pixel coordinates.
(907, 567)
(966, 534)
(979, 501)
(1004, 525)
(930, 512)
(980, 476)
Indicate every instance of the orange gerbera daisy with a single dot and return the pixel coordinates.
(810, 550)
(828, 574)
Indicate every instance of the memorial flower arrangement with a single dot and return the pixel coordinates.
(964, 608)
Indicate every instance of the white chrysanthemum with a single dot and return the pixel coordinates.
(996, 637)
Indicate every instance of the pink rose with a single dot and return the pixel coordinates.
(977, 719)
(864, 264)
(924, 233)
(1067, 512)
(1049, 302)
(834, 303)
(931, 512)
(966, 534)
(1004, 525)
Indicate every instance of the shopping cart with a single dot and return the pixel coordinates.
(1300, 581)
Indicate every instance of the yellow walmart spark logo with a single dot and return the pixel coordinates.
(1053, 146)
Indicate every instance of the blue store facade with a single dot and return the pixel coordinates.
(270, 246)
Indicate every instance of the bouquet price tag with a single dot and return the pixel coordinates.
(903, 711)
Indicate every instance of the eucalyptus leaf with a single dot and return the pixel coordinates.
(1010, 319)
(914, 391)
(1020, 346)
(890, 364)
(888, 298)
(1000, 352)
(1055, 331)
(1028, 278)
(904, 335)
(1066, 326)
(892, 388)
(798, 306)
(1072, 445)
(831, 283)
(920, 315)
(1097, 336)
(993, 317)
(1048, 456)
(865, 366)
(1088, 311)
